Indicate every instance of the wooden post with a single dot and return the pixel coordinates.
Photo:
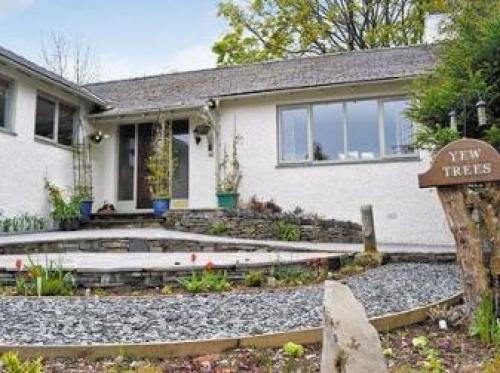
(458, 170)
(368, 229)
(474, 273)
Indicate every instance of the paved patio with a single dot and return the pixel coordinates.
(163, 234)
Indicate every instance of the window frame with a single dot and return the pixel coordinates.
(310, 132)
(57, 102)
(9, 104)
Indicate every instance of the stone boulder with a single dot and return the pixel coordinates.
(350, 343)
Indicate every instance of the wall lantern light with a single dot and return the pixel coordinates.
(97, 136)
(481, 113)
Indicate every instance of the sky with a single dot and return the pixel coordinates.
(131, 38)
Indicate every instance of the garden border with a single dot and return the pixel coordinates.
(192, 348)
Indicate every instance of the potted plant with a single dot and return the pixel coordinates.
(84, 194)
(160, 164)
(65, 211)
(227, 189)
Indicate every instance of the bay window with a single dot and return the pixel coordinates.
(54, 120)
(344, 131)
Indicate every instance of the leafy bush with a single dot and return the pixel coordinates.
(23, 223)
(218, 228)
(206, 281)
(295, 276)
(485, 325)
(254, 279)
(53, 280)
(467, 71)
(12, 364)
(62, 208)
(287, 231)
(293, 349)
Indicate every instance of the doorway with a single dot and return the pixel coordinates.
(134, 148)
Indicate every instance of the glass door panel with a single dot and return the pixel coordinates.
(126, 163)
(180, 135)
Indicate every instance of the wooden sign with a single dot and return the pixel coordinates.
(463, 162)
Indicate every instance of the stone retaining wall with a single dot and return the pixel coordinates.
(100, 245)
(159, 277)
(250, 225)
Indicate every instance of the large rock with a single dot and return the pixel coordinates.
(350, 343)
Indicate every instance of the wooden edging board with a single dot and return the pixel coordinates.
(202, 347)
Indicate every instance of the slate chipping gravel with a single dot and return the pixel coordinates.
(386, 289)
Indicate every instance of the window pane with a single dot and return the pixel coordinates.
(328, 132)
(65, 127)
(294, 134)
(126, 163)
(3, 105)
(397, 128)
(362, 130)
(45, 114)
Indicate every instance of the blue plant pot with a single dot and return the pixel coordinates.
(160, 206)
(86, 210)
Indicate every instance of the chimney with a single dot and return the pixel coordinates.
(434, 27)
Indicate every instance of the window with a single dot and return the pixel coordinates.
(328, 133)
(294, 124)
(45, 117)
(4, 102)
(344, 131)
(65, 127)
(362, 130)
(398, 129)
(54, 120)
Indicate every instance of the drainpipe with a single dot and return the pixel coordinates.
(211, 112)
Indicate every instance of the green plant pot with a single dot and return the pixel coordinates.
(227, 200)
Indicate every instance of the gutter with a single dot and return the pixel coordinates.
(60, 82)
(110, 116)
(313, 88)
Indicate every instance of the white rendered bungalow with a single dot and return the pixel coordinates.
(325, 133)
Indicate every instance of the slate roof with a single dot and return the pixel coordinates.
(192, 88)
(26, 65)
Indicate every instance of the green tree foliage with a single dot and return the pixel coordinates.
(272, 29)
(468, 70)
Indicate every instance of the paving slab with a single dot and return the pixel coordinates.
(130, 262)
(163, 234)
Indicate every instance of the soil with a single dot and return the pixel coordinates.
(457, 352)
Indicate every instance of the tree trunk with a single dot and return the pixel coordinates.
(475, 275)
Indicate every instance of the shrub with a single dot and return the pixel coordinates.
(263, 206)
(293, 349)
(485, 325)
(53, 280)
(287, 231)
(12, 364)
(23, 223)
(254, 279)
(206, 281)
(218, 228)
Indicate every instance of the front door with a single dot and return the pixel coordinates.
(134, 149)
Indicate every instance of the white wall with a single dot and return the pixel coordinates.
(24, 162)
(403, 212)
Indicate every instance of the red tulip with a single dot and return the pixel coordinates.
(19, 264)
(209, 266)
(193, 257)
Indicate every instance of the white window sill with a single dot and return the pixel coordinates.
(401, 158)
(47, 141)
(7, 131)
